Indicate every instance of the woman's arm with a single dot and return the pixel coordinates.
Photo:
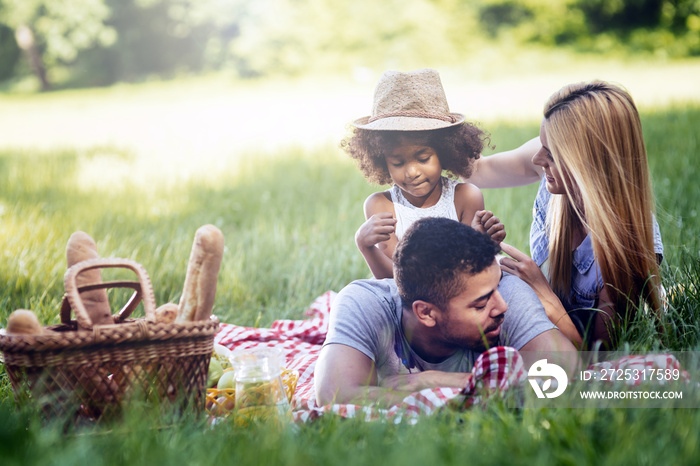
(520, 265)
(508, 169)
(376, 238)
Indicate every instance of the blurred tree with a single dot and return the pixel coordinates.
(620, 16)
(163, 38)
(9, 52)
(542, 21)
(298, 36)
(667, 26)
(503, 14)
(51, 32)
(103, 41)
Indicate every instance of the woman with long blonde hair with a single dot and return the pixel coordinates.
(594, 240)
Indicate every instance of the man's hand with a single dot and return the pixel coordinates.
(485, 222)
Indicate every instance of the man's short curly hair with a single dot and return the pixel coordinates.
(433, 256)
(457, 147)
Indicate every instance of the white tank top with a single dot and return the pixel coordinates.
(406, 213)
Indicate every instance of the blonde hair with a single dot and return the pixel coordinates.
(595, 137)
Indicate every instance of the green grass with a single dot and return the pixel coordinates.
(494, 435)
(289, 218)
(289, 231)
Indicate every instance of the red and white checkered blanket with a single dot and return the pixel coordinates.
(300, 341)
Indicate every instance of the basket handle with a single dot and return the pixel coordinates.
(124, 313)
(143, 290)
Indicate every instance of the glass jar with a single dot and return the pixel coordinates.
(259, 389)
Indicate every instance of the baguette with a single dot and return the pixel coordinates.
(93, 379)
(82, 247)
(199, 291)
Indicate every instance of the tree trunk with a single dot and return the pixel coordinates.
(26, 42)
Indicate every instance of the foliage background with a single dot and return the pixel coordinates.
(99, 42)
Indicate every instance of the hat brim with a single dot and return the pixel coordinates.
(402, 123)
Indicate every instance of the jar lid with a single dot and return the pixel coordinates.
(257, 364)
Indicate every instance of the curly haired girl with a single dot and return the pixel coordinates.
(409, 140)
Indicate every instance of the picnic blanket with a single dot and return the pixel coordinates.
(300, 342)
(497, 370)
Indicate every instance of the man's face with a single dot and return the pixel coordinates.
(473, 318)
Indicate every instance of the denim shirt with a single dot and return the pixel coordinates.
(586, 278)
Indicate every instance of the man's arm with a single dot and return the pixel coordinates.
(553, 346)
(346, 375)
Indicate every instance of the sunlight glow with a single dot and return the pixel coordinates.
(180, 130)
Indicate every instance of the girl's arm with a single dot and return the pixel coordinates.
(520, 265)
(508, 169)
(375, 238)
(468, 201)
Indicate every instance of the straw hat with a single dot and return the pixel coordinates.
(413, 101)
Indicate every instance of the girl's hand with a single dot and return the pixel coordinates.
(485, 222)
(378, 228)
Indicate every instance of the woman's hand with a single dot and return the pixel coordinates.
(523, 267)
(485, 222)
(377, 229)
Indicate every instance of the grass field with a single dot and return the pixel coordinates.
(289, 215)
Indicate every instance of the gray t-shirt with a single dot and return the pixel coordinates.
(366, 316)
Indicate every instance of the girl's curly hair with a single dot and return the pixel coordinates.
(456, 147)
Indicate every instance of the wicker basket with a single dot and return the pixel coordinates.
(70, 371)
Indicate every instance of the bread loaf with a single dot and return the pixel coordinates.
(167, 313)
(23, 322)
(82, 247)
(199, 290)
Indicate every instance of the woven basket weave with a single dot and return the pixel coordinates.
(69, 370)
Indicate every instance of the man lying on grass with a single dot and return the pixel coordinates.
(425, 328)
